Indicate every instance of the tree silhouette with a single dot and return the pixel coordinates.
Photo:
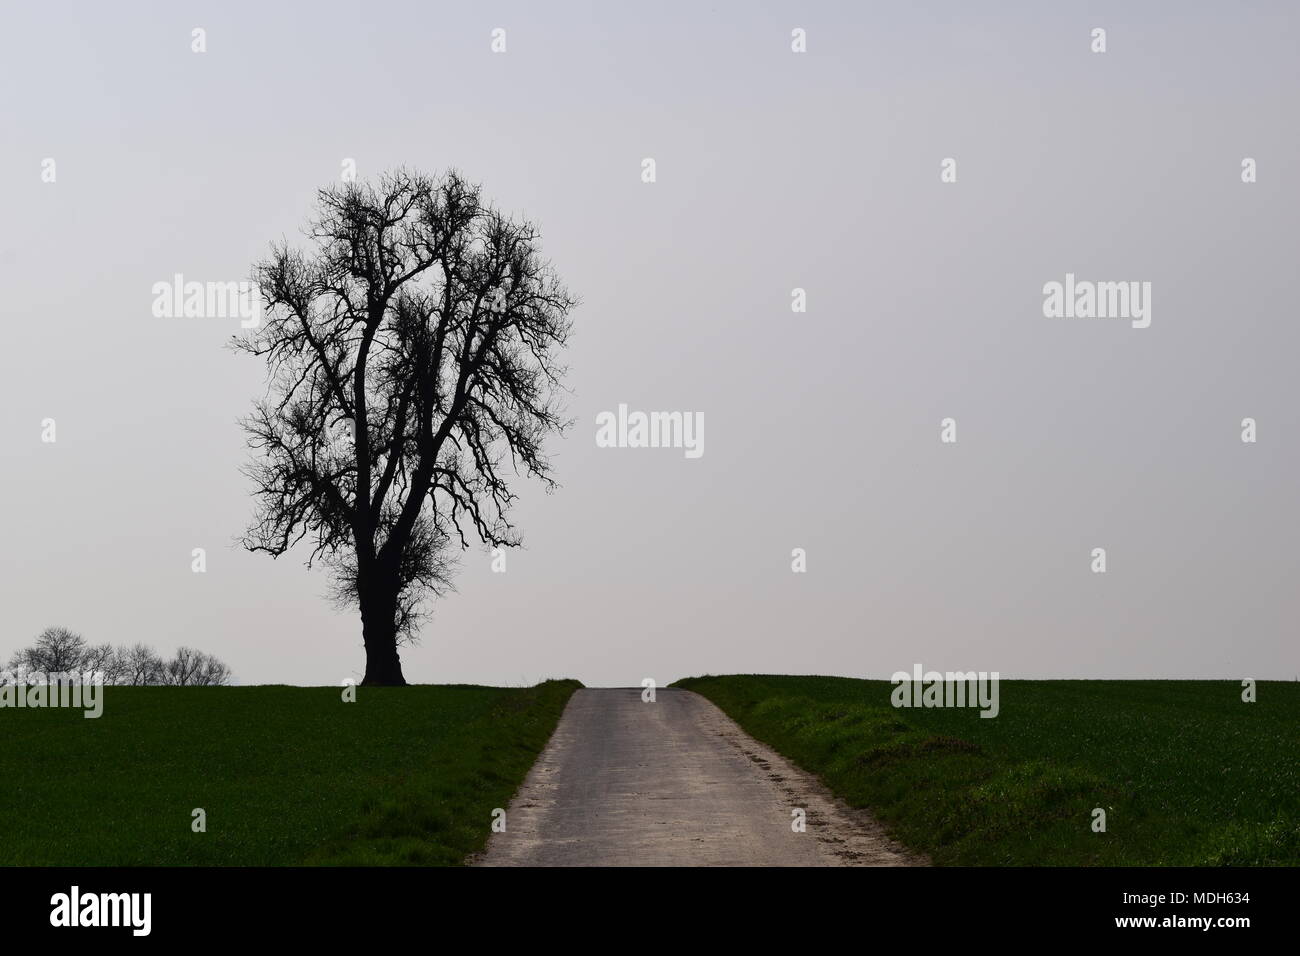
(57, 650)
(412, 356)
(191, 668)
(141, 665)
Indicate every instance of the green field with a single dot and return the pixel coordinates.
(286, 775)
(1187, 774)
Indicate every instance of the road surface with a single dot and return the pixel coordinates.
(624, 782)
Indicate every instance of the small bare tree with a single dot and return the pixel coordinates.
(182, 669)
(412, 356)
(57, 650)
(107, 660)
(212, 673)
(142, 666)
(191, 668)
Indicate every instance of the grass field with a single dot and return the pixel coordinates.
(286, 775)
(1187, 773)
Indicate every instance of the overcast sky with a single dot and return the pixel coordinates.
(775, 170)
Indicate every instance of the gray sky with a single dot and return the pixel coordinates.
(775, 170)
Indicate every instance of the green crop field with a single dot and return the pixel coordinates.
(1187, 773)
(285, 775)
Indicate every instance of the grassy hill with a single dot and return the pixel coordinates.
(1187, 773)
(286, 775)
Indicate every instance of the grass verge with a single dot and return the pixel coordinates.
(1188, 774)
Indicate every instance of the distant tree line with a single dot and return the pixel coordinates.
(58, 650)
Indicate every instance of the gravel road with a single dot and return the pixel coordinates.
(675, 782)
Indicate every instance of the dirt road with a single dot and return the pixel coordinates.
(675, 782)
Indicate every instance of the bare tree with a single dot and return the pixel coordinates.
(213, 673)
(191, 668)
(107, 660)
(57, 650)
(142, 665)
(412, 357)
(181, 670)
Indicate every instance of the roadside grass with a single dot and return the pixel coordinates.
(1187, 773)
(286, 775)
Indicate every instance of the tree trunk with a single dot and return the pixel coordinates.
(379, 629)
